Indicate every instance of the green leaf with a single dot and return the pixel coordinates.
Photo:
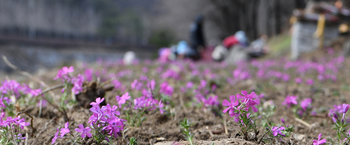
(133, 141)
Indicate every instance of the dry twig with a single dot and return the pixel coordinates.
(50, 89)
(303, 122)
(26, 141)
(23, 72)
(226, 132)
(31, 121)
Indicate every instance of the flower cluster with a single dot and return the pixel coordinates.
(278, 130)
(11, 91)
(11, 122)
(247, 101)
(77, 82)
(104, 120)
(148, 102)
(305, 105)
(63, 73)
(60, 133)
(11, 128)
(14, 88)
(340, 124)
(63, 131)
(201, 87)
(166, 89)
(325, 70)
(344, 110)
(336, 109)
(290, 100)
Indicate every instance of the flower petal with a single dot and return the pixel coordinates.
(232, 98)
(226, 109)
(238, 96)
(88, 134)
(244, 93)
(254, 108)
(226, 103)
(322, 141)
(235, 103)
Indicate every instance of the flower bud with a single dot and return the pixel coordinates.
(335, 116)
(282, 120)
(345, 108)
(334, 120)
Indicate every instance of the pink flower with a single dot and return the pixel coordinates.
(320, 77)
(285, 77)
(277, 130)
(78, 84)
(19, 121)
(84, 131)
(298, 80)
(98, 101)
(63, 72)
(166, 89)
(260, 73)
(152, 84)
(93, 118)
(35, 92)
(231, 106)
(65, 130)
(117, 84)
(161, 105)
(88, 74)
(134, 84)
(203, 83)
(319, 141)
(290, 100)
(115, 125)
(249, 100)
(345, 108)
(235, 115)
(110, 111)
(310, 82)
(262, 95)
(67, 70)
(335, 109)
(211, 101)
(282, 120)
(335, 117)
(189, 85)
(55, 137)
(306, 103)
(42, 102)
(123, 99)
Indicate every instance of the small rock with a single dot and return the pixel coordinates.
(298, 137)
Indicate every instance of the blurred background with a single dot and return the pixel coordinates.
(48, 33)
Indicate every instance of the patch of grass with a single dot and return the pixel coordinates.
(279, 45)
